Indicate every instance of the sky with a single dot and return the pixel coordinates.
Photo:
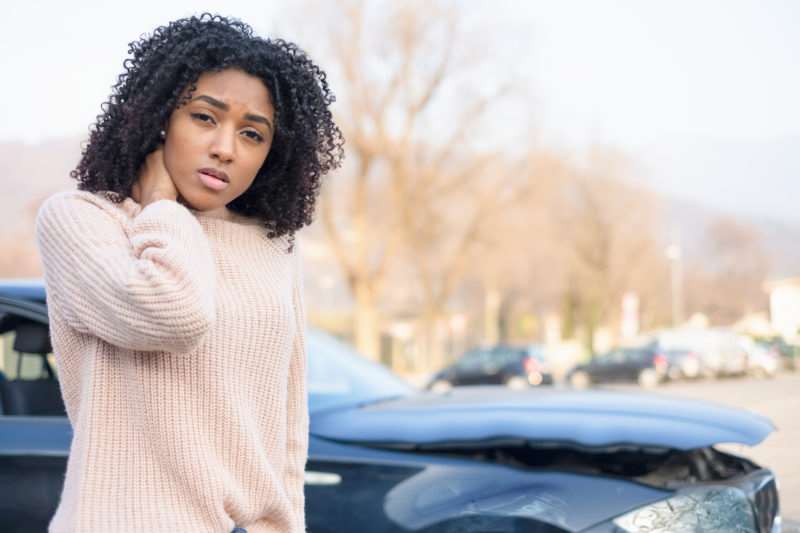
(702, 94)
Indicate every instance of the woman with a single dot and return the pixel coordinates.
(174, 286)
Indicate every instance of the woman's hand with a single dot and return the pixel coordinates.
(154, 181)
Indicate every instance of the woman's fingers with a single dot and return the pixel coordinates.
(154, 181)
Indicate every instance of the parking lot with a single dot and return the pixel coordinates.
(779, 400)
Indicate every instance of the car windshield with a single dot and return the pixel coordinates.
(636, 354)
(338, 375)
(504, 355)
(610, 357)
(473, 359)
(536, 351)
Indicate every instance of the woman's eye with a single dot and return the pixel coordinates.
(253, 135)
(203, 117)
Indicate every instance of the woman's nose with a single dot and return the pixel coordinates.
(223, 147)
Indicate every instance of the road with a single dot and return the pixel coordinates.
(779, 400)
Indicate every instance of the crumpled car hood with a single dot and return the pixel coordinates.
(595, 418)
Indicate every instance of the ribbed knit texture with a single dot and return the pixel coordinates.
(179, 342)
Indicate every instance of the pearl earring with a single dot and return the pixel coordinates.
(163, 134)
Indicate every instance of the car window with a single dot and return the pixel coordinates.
(601, 358)
(17, 336)
(538, 355)
(536, 351)
(474, 356)
(676, 354)
(634, 356)
(503, 356)
(613, 356)
(338, 375)
(473, 359)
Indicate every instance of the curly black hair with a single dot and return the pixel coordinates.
(167, 64)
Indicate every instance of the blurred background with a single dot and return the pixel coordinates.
(534, 192)
(565, 173)
(606, 189)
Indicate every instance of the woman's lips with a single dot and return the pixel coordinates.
(212, 181)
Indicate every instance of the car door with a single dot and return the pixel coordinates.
(471, 369)
(605, 367)
(493, 366)
(34, 439)
(509, 362)
(634, 361)
(349, 493)
(354, 489)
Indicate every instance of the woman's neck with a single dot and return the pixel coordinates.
(220, 212)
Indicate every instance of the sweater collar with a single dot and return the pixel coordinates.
(224, 214)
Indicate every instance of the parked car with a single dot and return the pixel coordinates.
(683, 363)
(386, 458)
(643, 365)
(513, 366)
(789, 354)
(761, 361)
(719, 350)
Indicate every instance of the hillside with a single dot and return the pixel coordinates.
(779, 239)
(32, 172)
(36, 170)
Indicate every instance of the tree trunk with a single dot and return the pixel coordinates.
(367, 321)
(491, 316)
(432, 356)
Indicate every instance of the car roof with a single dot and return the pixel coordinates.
(31, 290)
(496, 348)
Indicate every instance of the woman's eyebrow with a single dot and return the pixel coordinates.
(223, 106)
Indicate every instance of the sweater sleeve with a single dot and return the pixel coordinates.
(297, 406)
(146, 287)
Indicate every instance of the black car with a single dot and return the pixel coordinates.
(515, 367)
(644, 365)
(384, 457)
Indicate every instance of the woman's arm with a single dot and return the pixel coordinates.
(150, 288)
(297, 404)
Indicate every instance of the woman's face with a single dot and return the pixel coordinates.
(217, 142)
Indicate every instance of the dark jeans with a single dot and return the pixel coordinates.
(239, 530)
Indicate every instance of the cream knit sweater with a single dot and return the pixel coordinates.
(179, 342)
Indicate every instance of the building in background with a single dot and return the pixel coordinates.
(784, 307)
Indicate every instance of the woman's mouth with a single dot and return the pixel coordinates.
(213, 179)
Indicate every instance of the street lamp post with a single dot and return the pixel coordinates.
(675, 256)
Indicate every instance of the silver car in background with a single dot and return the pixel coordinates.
(715, 352)
(761, 360)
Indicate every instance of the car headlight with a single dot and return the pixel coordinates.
(710, 508)
(749, 506)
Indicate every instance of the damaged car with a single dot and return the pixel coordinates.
(385, 457)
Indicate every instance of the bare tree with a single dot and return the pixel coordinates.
(521, 257)
(728, 282)
(611, 229)
(409, 115)
(453, 233)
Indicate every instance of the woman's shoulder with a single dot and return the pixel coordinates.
(73, 197)
(77, 204)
